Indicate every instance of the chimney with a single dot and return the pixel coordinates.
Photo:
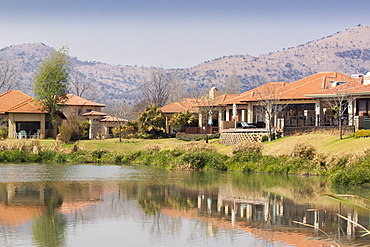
(366, 78)
(214, 93)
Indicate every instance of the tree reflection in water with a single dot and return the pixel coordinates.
(49, 228)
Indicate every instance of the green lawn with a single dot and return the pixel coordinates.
(323, 143)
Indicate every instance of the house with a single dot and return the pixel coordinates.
(186, 104)
(207, 111)
(300, 103)
(21, 113)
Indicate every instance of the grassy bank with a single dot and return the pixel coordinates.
(345, 161)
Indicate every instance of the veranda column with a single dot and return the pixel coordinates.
(200, 120)
(228, 115)
(350, 112)
(11, 126)
(250, 113)
(318, 111)
(220, 119)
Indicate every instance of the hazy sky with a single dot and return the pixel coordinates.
(174, 33)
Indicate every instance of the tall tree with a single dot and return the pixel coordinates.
(51, 80)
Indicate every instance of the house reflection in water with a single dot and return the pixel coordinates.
(265, 215)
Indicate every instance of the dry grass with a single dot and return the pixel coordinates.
(324, 143)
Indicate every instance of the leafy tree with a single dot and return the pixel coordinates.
(182, 119)
(51, 80)
(152, 119)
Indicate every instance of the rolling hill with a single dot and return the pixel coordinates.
(347, 52)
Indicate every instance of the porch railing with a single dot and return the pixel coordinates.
(317, 120)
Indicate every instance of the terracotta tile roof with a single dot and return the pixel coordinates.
(77, 100)
(15, 101)
(254, 94)
(186, 104)
(94, 113)
(27, 106)
(113, 119)
(313, 83)
(295, 90)
(352, 88)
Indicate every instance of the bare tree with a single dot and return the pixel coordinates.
(339, 98)
(178, 91)
(157, 89)
(269, 98)
(120, 113)
(232, 84)
(79, 83)
(7, 76)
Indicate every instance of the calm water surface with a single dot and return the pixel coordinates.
(107, 205)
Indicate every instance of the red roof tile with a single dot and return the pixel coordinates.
(94, 113)
(15, 101)
(79, 101)
(113, 119)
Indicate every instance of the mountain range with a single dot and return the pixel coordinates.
(346, 51)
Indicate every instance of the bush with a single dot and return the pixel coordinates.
(4, 132)
(304, 151)
(194, 146)
(362, 133)
(199, 160)
(151, 147)
(255, 147)
(350, 176)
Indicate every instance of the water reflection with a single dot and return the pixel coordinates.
(45, 205)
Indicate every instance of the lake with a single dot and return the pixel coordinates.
(133, 205)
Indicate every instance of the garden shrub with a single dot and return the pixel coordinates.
(47, 155)
(192, 160)
(59, 158)
(350, 176)
(4, 132)
(195, 146)
(98, 154)
(303, 151)
(362, 133)
(255, 147)
(151, 147)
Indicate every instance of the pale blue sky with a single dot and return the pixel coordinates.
(174, 33)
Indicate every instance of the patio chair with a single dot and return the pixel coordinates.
(22, 134)
(246, 125)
